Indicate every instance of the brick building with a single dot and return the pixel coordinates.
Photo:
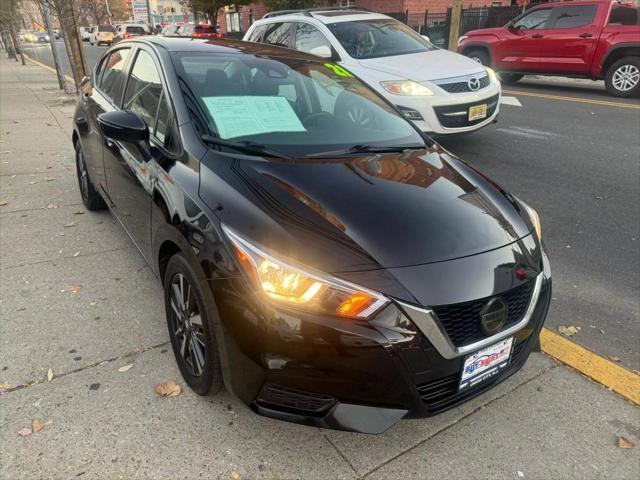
(238, 19)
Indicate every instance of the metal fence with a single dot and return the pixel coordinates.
(438, 25)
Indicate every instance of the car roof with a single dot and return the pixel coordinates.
(577, 2)
(221, 46)
(326, 16)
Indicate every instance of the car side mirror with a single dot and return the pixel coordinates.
(321, 51)
(126, 127)
(426, 38)
(86, 86)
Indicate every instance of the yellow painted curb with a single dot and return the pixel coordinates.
(51, 69)
(572, 99)
(609, 374)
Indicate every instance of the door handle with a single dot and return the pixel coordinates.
(537, 35)
(585, 35)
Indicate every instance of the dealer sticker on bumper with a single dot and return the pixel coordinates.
(485, 364)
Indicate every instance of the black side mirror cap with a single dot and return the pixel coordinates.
(124, 126)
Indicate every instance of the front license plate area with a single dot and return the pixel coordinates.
(478, 112)
(485, 364)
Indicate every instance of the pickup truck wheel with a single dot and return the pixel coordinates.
(623, 78)
(90, 197)
(509, 78)
(479, 56)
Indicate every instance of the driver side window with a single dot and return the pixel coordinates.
(535, 20)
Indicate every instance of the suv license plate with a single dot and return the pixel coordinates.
(485, 364)
(477, 112)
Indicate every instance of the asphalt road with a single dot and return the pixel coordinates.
(573, 153)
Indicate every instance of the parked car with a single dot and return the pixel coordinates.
(442, 92)
(30, 35)
(85, 33)
(40, 37)
(56, 33)
(101, 34)
(199, 31)
(171, 30)
(594, 39)
(329, 272)
(130, 30)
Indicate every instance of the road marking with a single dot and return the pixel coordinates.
(527, 132)
(573, 99)
(513, 101)
(606, 372)
(51, 69)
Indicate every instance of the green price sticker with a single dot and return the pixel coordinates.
(338, 70)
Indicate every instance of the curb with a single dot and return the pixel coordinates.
(47, 67)
(613, 376)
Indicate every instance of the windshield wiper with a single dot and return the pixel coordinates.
(366, 149)
(247, 147)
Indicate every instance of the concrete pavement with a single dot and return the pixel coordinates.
(76, 298)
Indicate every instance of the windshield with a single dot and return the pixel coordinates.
(106, 28)
(291, 105)
(136, 30)
(378, 38)
(205, 29)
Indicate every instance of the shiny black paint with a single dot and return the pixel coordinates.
(422, 227)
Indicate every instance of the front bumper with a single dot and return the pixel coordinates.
(360, 376)
(448, 113)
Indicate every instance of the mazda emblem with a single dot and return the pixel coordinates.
(473, 84)
(493, 316)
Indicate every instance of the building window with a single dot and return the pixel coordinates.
(347, 3)
(234, 22)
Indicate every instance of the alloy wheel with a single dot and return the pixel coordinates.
(186, 325)
(626, 77)
(82, 175)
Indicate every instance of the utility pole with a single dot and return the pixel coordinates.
(454, 29)
(52, 39)
(106, 4)
(149, 13)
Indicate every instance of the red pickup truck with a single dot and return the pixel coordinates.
(593, 39)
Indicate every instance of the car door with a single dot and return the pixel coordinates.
(519, 50)
(569, 40)
(108, 84)
(130, 173)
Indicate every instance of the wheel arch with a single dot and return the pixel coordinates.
(478, 46)
(616, 53)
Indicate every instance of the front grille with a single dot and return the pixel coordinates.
(441, 394)
(463, 87)
(461, 321)
(283, 398)
(459, 121)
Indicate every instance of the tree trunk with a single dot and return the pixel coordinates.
(73, 40)
(16, 43)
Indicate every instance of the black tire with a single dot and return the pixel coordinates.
(480, 56)
(90, 197)
(623, 78)
(509, 78)
(199, 361)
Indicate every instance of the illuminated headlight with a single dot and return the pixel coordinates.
(534, 217)
(406, 87)
(462, 38)
(294, 286)
(492, 75)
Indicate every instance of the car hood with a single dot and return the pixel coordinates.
(424, 66)
(486, 31)
(362, 213)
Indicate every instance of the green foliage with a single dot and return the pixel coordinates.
(210, 8)
(293, 4)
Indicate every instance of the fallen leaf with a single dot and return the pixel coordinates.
(69, 225)
(74, 289)
(168, 389)
(235, 475)
(49, 179)
(189, 435)
(24, 432)
(3, 203)
(51, 205)
(624, 442)
(5, 386)
(36, 425)
(568, 331)
(50, 374)
(126, 368)
(79, 212)
(614, 358)
(76, 254)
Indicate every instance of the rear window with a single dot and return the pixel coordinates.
(106, 28)
(623, 15)
(136, 30)
(205, 29)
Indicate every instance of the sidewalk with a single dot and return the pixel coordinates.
(77, 298)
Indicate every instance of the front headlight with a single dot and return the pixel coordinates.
(406, 87)
(535, 219)
(298, 287)
(492, 75)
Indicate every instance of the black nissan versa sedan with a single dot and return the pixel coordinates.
(321, 258)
